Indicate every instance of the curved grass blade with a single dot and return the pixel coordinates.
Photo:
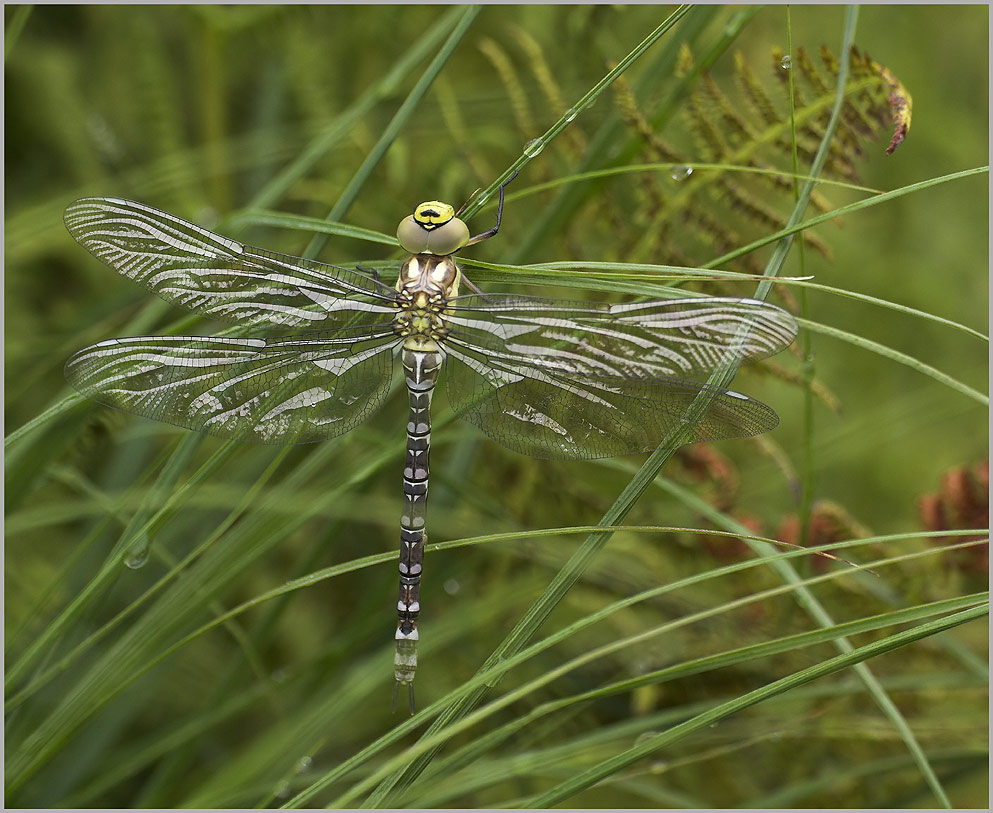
(536, 145)
(573, 569)
(854, 657)
(466, 16)
(430, 741)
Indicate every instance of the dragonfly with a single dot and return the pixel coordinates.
(549, 378)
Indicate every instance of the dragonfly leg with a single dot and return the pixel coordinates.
(372, 272)
(472, 286)
(490, 232)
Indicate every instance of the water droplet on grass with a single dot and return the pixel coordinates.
(137, 554)
(534, 147)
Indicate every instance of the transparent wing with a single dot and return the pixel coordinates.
(558, 379)
(534, 410)
(296, 389)
(639, 340)
(221, 278)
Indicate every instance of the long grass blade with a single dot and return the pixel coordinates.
(855, 657)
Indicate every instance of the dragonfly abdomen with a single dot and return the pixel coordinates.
(420, 373)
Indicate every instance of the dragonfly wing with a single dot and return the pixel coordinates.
(560, 379)
(638, 340)
(535, 409)
(221, 278)
(295, 389)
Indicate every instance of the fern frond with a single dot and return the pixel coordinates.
(754, 209)
(573, 138)
(628, 107)
(451, 114)
(736, 128)
(504, 67)
(699, 114)
(753, 92)
(756, 133)
(711, 228)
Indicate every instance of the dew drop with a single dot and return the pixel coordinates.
(282, 790)
(645, 737)
(681, 173)
(452, 587)
(785, 62)
(571, 114)
(533, 147)
(303, 764)
(137, 554)
(659, 766)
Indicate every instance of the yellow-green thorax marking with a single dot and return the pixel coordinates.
(429, 277)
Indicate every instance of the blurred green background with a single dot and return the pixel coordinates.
(207, 111)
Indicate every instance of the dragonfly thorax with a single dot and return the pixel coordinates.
(434, 275)
(425, 284)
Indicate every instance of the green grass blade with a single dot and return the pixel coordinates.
(838, 663)
(876, 200)
(280, 184)
(901, 358)
(430, 740)
(400, 119)
(535, 146)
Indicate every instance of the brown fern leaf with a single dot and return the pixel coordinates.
(852, 127)
(632, 116)
(504, 67)
(854, 124)
(755, 210)
(575, 141)
(736, 129)
(711, 228)
(708, 136)
(753, 92)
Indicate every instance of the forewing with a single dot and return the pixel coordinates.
(222, 278)
(530, 406)
(639, 340)
(296, 389)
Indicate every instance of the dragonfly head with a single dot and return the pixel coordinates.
(433, 228)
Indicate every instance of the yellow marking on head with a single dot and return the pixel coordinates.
(433, 213)
(433, 228)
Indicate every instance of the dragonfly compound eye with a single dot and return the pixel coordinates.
(433, 228)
